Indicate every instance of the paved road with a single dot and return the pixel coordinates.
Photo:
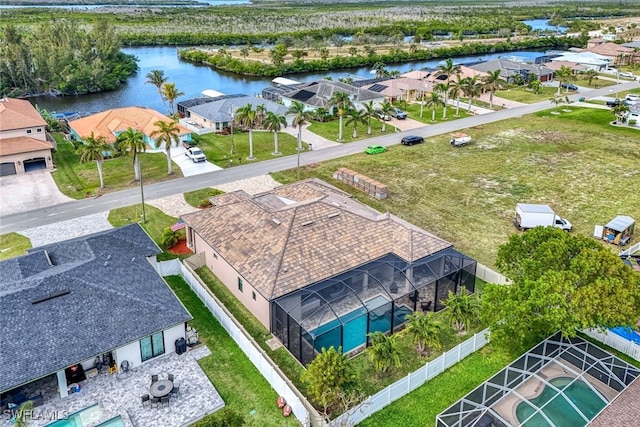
(78, 208)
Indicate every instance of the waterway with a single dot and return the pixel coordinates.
(193, 79)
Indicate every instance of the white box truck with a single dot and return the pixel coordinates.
(530, 216)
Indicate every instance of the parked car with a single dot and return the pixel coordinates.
(459, 139)
(411, 140)
(627, 74)
(375, 149)
(383, 116)
(398, 114)
(632, 97)
(195, 154)
(570, 86)
(616, 102)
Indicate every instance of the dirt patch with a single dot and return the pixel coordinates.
(180, 248)
(548, 136)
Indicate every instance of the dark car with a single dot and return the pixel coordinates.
(411, 139)
(616, 102)
(569, 86)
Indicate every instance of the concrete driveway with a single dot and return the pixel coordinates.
(187, 165)
(28, 191)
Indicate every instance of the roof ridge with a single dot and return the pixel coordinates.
(284, 249)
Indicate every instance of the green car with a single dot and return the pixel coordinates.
(375, 149)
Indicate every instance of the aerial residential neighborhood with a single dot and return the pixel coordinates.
(399, 219)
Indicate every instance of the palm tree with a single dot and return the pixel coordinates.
(463, 310)
(425, 330)
(247, 117)
(156, 78)
(370, 112)
(170, 93)
(356, 117)
(92, 150)
(449, 68)
(434, 102)
(455, 90)
(535, 86)
(320, 114)
(261, 112)
(274, 122)
(444, 88)
(557, 100)
(132, 141)
(591, 74)
(564, 74)
(384, 351)
(165, 134)
(493, 82)
(380, 69)
(342, 101)
(300, 118)
(620, 111)
(386, 109)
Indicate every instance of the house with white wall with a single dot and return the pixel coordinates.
(96, 297)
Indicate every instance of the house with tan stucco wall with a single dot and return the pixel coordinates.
(320, 269)
(24, 146)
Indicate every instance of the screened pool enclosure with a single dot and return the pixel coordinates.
(342, 310)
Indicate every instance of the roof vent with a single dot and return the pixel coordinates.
(52, 295)
(133, 259)
(106, 263)
(333, 215)
(304, 224)
(276, 221)
(336, 204)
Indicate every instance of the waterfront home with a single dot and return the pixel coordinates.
(318, 93)
(509, 70)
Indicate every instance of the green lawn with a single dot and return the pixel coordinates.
(596, 83)
(13, 245)
(468, 195)
(521, 94)
(240, 384)
(78, 180)
(218, 147)
(330, 130)
(156, 222)
(413, 111)
(195, 198)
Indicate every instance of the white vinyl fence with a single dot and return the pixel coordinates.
(616, 341)
(490, 276)
(412, 381)
(267, 368)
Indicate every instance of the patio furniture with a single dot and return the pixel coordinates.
(426, 305)
(145, 400)
(393, 288)
(170, 377)
(164, 401)
(154, 401)
(175, 391)
(154, 378)
(161, 388)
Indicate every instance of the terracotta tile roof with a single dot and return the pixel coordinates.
(299, 234)
(623, 411)
(610, 49)
(416, 75)
(22, 144)
(18, 114)
(110, 122)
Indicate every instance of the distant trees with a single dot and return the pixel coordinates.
(61, 57)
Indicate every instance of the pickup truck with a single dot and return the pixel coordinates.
(195, 154)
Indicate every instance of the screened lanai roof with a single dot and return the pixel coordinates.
(368, 288)
(560, 382)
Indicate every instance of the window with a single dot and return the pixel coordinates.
(240, 284)
(253, 295)
(39, 130)
(152, 346)
(29, 131)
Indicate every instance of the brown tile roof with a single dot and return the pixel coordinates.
(22, 144)
(623, 411)
(610, 49)
(18, 114)
(299, 234)
(110, 122)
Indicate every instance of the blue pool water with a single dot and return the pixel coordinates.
(627, 333)
(113, 422)
(355, 328)
(558, 410)
(82, 418)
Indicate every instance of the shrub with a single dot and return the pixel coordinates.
(632, 122)
(169, 238)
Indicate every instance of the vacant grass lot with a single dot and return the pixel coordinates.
(240, 384)
(13, 245)
(522, 94)
(218, 147)
(78, 180)
(576, 162)
(413, 111)
(331, 130)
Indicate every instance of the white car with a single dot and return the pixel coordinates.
(632, 97)
(195, 154)
(628, 75)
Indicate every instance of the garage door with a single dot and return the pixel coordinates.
(7, 169)
(34, 164)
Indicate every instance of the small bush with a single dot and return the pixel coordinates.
(169, 238)
(632, 122)
(226, 417)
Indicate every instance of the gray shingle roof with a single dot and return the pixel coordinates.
(220, 111)
(318, 93)
(115, 297)
(509, 68)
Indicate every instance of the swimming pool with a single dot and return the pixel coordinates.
(84, 417)
(627, 333)
(113, 422)
(355, 328)
(558, 410)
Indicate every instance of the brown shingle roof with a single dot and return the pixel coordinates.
(623, 411)
(299, 234)
(110, 122)
(22, 144)
(18, 114)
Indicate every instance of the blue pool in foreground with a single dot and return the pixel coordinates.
(86, 417)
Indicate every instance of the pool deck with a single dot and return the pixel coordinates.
(120, 394)
(532, 388)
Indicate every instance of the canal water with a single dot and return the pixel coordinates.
(193, 79)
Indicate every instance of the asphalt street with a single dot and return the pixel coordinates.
(78, 208)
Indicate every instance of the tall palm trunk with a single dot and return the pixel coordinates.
(251, 145)
(275, 144)
(169, 164)
(458, 106)
(340, 138)
(136, 167)
(469, 109)
(99, 163)
(433, 115)
(369, 126)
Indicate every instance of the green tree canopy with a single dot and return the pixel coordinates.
(559, 281)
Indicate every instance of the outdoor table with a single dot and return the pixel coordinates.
(161, 388)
